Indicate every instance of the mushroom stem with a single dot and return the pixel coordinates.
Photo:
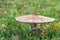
(34, 28)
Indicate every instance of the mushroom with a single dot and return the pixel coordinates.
(34, 20)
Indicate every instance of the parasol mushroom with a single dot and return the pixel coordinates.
(33, 20)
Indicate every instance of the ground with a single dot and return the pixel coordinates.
(9, 9)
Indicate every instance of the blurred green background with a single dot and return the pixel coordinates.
(11, 29)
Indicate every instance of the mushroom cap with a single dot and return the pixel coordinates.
(34, 19)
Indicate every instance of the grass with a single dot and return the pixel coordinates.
(10, 9)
